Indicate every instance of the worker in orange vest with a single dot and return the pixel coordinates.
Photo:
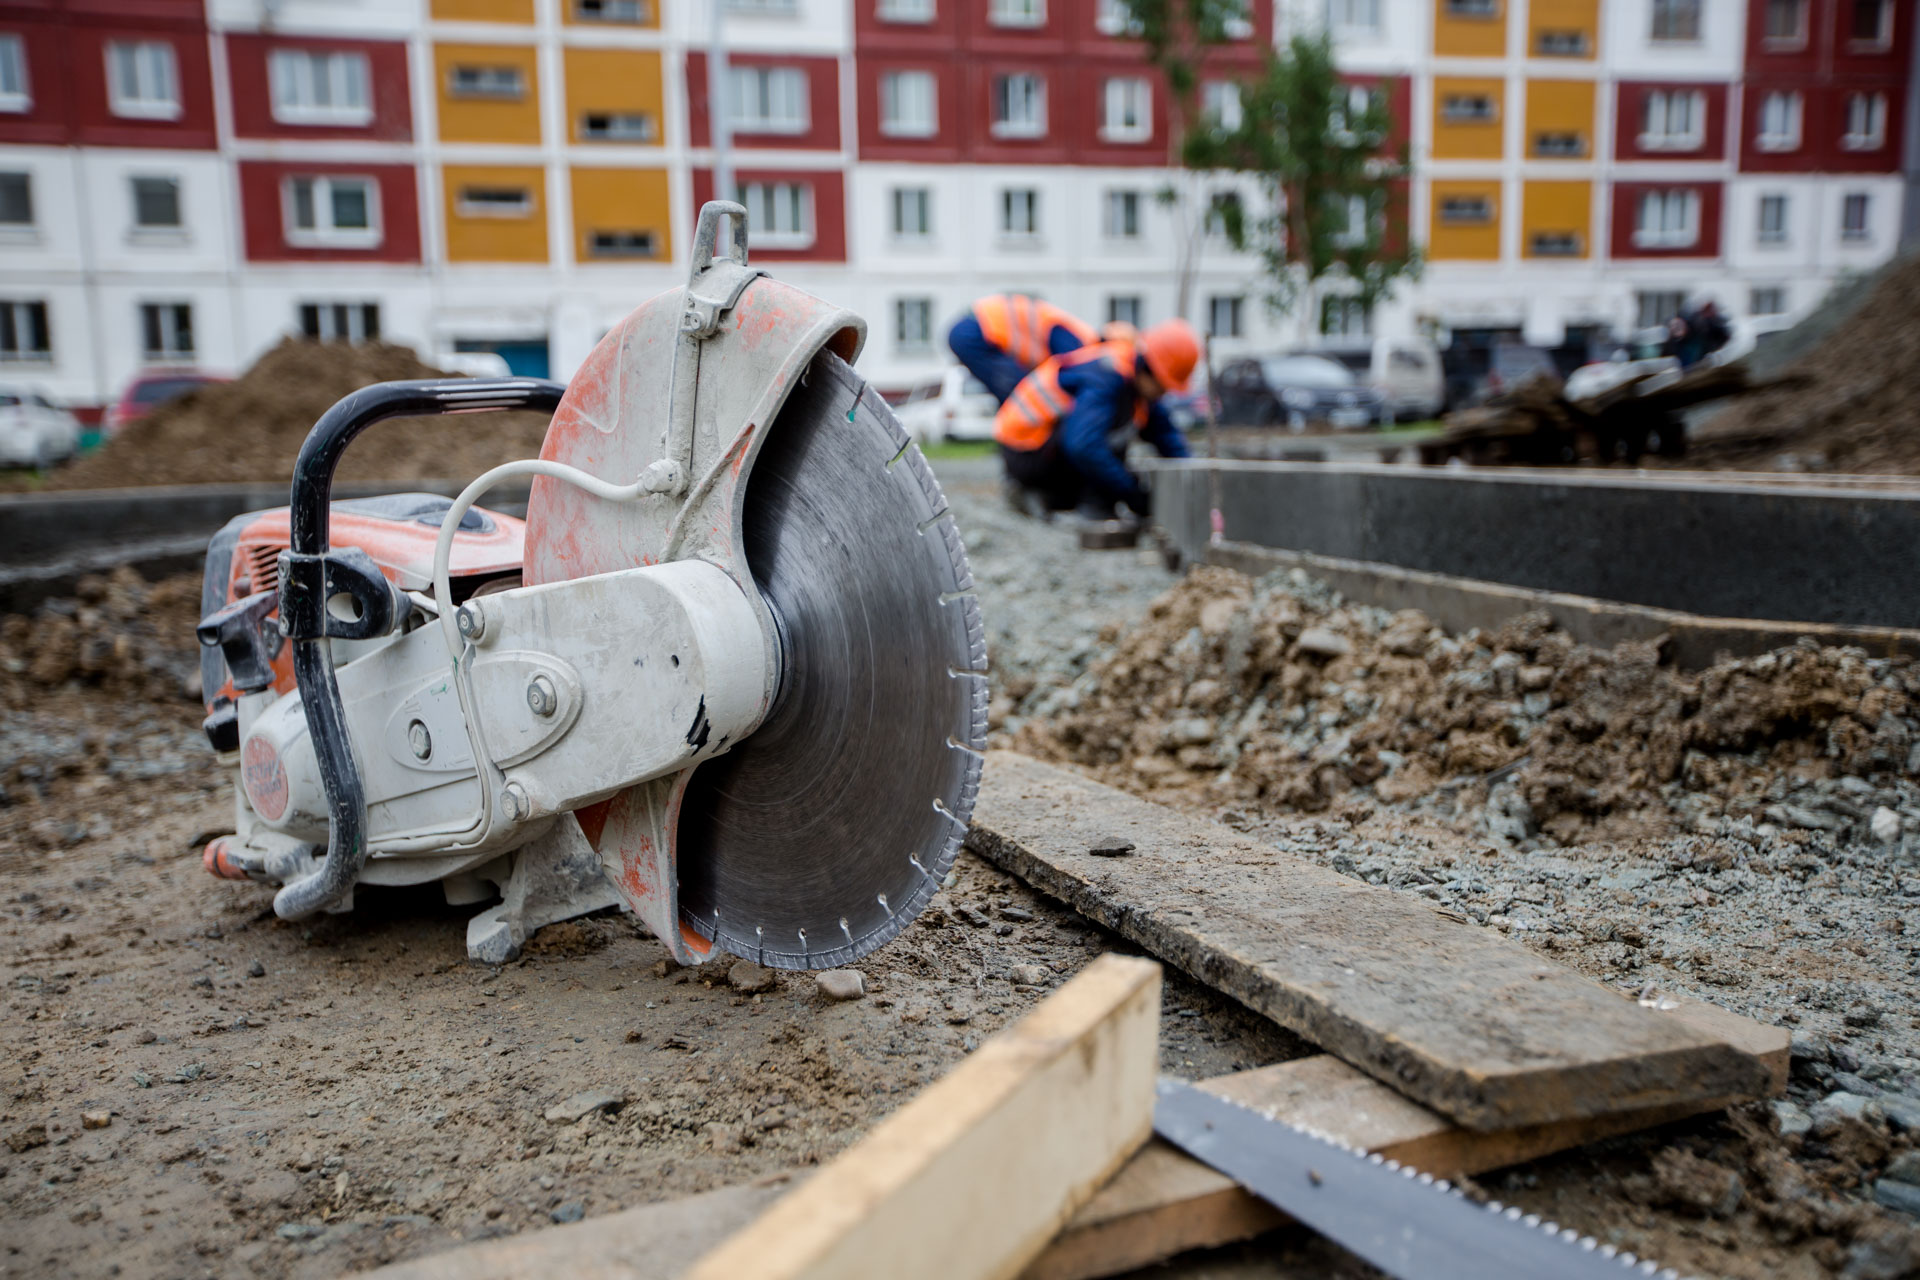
(1063, 432)
(1006, 336)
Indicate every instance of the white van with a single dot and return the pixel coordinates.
(950, 405)
(1405, 371)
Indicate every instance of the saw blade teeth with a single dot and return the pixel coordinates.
(940, 807)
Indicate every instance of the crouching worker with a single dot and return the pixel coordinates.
(1006, 336)
(1064, 431)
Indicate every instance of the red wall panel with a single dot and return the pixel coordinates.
(829, 211)
(823, 103)
(263, 218)
(945, 142)
(1626, 204)
(49, 115)
(248, 56)
(67, 74)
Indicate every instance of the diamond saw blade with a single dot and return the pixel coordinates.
(829, 827)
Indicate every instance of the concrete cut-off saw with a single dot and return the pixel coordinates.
(729, 673)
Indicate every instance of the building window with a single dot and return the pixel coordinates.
(1127, 114)
(16, 200)
(1555, 244)
(780, 213)
(1221, 104)
(1473, 8)
(1668, 219)
(1676, 20)
(1350, 221)
(1019, 106)
(1674, 120)
(907, 107)
(1468, 108)
(1772, 227)
(1853, 216)
(631, 11)
(143, 81)
(1653, 308)
(1345, 318)
(1223, 316)
(912, 213)
(493, 202)
(768, 99)
(1122, 215)
(1552, 43)
(1779, 122)
(166, 332)
(1017, 13)
(1870, 24)
(1559, 145)
(335, 212)
(620, 244)
(904, 11)
(1356, 16)
(24, 336)
(1125, 308)
(1356, 105)
(156, 203)
(1466, 211)
(1116, 18)
(15, 95)
(618, 126)
(762, 8)
(323, 88)
(340, 321)
(913, 324)
(1785, 24)
(1770, 301)
(502, 84)
(1866, 122)
(1020, 212)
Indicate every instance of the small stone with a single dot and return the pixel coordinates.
(1806, 1046)
(1903, 1197)
(1003, 930)
(1534, 679)
(1190, 731)
(1832, 1111)
(1862, 1015)
(189, 1073)
(1854, 1084)
(1886, 1249)
(1028, 975)
(977, 919)
(1701, 1185)
(661, 968)
(203, 981)
(1885, 825)
(1905, 1167)
(841, 984)
(143, 1080)
(96, 1119)
(747, 977)
(583, 1104)
(1794, 1121)
(723, 1138)
(1902, 1111)
(298, 1230)
(571, 1211)
(256, 970)
(1323, 642)
(26, 1139)
(1016, 915)
(1110, 847)
(146, 1036)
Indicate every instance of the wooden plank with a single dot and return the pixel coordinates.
(1164, 1202)
(1461, 1019)
(975, 1175)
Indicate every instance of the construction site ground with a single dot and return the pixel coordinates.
(189, 1086)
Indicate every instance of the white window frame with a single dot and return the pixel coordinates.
(917, 200)
(155, 91)
(1126, 109)
(1222, 102)
(1654, 307)
(1353, 17)
(1032, 120)
(1451, 112)
(1578, 44)
(913, 325)
(1575, 242)
(778, 98)
(169, 352)
(771, 202)
(1675, 13)
(650, 253)
(1678, 220)
(1884, 40)
(909, 114)
(1216, 221)
(1764, 235)
(1781, 113)
(1465, 209)
(156, 230)
(648, 134)
(1577, 151)
(910, 11)
(1012, 198)
(16, 231)
(1863, 233)
(1355, 320)
(1358, 209)
(1866, 115)
(19, 315)
(1017, 13)
(1473, 8)
(764, 8)
(16, 87)
(299, 80)
(469, 208)
(1798, 40)
(641, 12)
(1777, 293)
(1126, 308)
(329, 236)
(516, 91)
(328, 314)
(1122, 215)
(1115, 18)
(1233, 306)
(1659, 108)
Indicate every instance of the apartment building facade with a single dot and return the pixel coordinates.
(184, 181)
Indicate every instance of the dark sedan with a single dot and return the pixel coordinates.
(1296, 390)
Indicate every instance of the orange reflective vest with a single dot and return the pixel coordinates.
(1020, 325)
(1031, 414)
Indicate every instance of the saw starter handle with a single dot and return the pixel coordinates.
(324, 594)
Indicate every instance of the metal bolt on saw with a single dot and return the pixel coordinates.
(728, 673)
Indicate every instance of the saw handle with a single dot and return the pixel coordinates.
(309, 508)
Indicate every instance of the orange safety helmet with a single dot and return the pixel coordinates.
(1171, 350)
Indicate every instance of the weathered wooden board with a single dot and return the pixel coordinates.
(1458, 1018)
(973, 1177)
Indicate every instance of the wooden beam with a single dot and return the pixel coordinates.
(1461, 1019)
(975, 1175)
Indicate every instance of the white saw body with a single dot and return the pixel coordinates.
(737, 687)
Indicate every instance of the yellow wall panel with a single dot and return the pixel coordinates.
(1563, 28)
(1559, 108)
(621, 201)
(487, 119)
(625, 14)
(1452, 239)
(1467, 139)
(1458, 34)
(1556, 210)
(622, 82)
(483, 10)
(482, 230)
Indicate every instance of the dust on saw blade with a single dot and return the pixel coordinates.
(826, 830)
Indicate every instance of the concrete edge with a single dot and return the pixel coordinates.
(1462, 604)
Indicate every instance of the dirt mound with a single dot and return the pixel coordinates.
(119, 631)
(251, 428)
(1859, 413)
(1279, 694)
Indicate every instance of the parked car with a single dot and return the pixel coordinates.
(35, 432)
(949, 405)
(1406, 372)
(151, 389)
(1296, 390)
